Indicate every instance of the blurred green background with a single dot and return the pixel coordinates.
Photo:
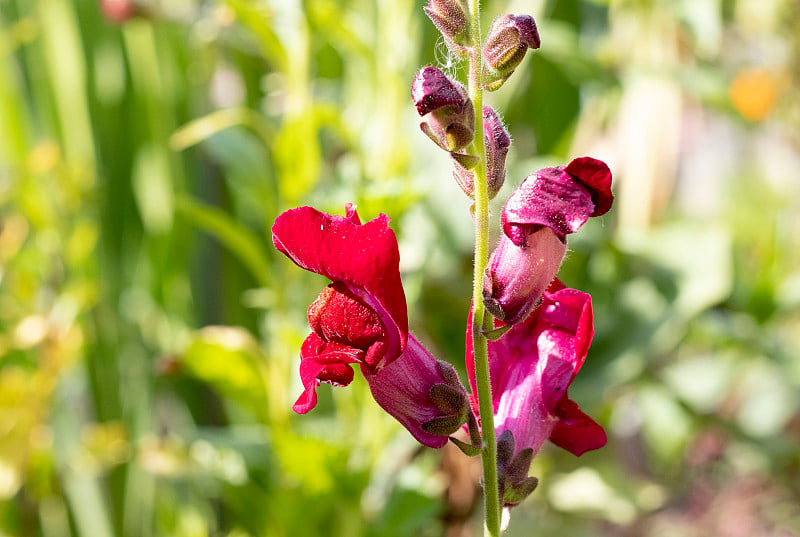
(150, 334)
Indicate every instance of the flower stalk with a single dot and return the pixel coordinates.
(481, 216)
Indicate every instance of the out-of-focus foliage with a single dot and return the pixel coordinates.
(149, 333)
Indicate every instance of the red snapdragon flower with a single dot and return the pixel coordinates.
(531, 368)
(361, 318)
(536, 220)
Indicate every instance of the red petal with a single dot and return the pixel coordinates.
(597, 176)
(323, 362)
(363, 256)
(569, 312)
(575, 431)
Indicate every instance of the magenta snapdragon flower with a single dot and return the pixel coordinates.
(536, 220)
(361, 318)
(531, 368)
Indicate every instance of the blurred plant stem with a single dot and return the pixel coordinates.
(479, 343)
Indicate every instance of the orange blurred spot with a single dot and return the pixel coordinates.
(754, 92)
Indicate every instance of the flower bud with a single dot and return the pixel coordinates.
(509, 38)
(446, 108)
(450, 18)
(496, 142)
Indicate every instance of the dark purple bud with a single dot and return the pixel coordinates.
(509, 39)
(496, 141)
(448, 117)
(450, 18)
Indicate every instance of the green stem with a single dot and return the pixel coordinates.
(479, 342)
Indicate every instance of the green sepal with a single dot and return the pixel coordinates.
(467, 449)
(448, 399)
(467, 160)
(496, 333)
(444, 425)
(514, 494)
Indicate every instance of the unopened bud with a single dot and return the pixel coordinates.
(448, 117)
(509, 39)
(450, 18)
(496, 142)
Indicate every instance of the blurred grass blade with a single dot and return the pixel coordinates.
(153, 189)
(259, 21)
(239, 240)
(202, 128)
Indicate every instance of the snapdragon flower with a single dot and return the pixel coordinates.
(536, 220)
(361, 318)
(531, 368)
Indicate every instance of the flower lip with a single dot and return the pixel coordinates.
(561, 198)
(339, 316)
(363, 257)
(596, 175)
(327, 362)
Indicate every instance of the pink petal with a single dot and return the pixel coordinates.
(402, 389)
(551, 197)
(517, 276)
(531, 368)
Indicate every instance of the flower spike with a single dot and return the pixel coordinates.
(361, 318)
